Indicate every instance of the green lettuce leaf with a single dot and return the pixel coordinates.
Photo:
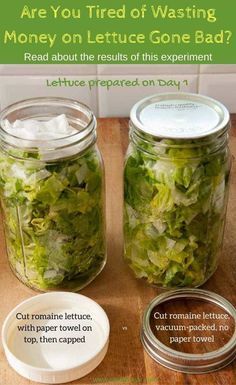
(174, 212)
(54, 219)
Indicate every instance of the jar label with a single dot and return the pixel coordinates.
(178, 118)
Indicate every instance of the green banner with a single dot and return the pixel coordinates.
(106, 32)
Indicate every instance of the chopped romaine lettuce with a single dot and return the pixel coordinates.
(54, 222)
(174, 212)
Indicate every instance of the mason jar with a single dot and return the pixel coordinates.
(52, 193)
(176, 181)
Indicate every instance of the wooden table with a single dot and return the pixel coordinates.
(123, 297)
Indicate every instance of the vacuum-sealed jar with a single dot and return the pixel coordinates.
(52, 193)
(176, 181)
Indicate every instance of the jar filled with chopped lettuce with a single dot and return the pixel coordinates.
(52, 193)
(176, 181)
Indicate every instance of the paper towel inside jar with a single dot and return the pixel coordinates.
(31, 129)
(44, 135)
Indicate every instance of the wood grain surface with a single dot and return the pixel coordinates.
(122, 296)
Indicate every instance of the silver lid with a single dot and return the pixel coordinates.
(188, 362)
(180, 116)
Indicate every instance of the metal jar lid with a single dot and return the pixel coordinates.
(180, 116)
(188, 362)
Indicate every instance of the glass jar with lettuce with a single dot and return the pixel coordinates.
(52, 193)
(176, 181)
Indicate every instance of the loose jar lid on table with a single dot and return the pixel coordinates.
(56, 337)
(190, 331)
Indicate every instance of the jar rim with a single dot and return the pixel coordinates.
(176, 360)
(87, 128)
